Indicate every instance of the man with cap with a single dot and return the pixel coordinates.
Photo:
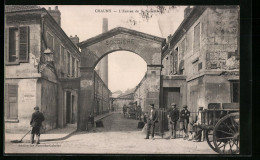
(152, 119)
(36, 123)
(173, 116)
(184, 121)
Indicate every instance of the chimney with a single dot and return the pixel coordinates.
(75, 40)
(55, 14)
(187, 11)
(105, 25)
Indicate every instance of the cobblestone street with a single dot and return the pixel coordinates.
(118, 136)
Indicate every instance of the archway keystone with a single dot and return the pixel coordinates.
(119, 39)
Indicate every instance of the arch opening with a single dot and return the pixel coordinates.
(125, 70)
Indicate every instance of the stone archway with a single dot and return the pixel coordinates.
(94, 49)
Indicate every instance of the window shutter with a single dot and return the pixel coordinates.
(6, 101)
(6, 44)
(13, 101)
(24, 44)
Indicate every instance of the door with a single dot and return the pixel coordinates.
(171, 95)
(68, 107)
(73, 108)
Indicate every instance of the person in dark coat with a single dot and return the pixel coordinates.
(152, 119)
(124, 110)
(184, 121)
(138, 112)
(36, 123)
(173, 116)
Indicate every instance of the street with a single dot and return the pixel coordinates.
(118, 136)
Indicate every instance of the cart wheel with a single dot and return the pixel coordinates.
(226, 134)
(209, 138)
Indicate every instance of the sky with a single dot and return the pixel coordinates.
(125, 69)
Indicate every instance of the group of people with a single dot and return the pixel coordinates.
(191, 130)
(137, 110)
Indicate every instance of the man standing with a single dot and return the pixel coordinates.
(36, 123)
(152, 119)
(138, 112)
(173, 116)
(198, 130)
(124, 110)
(184, 121)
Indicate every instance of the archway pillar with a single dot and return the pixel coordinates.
(153, 86)
(86, 97)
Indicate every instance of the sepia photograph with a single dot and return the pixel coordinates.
(122, 79)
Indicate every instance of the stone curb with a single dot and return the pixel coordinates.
(70, 134)
(104, 116)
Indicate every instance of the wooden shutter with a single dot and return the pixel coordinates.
(6, 44)
(175, 61)
(11, 101)
(6, 110)
(24, 43)
(196, 45)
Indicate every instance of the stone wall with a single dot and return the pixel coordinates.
(27, 100)
(101, 100)
(218, 43)
(222, 39)
(49, 103)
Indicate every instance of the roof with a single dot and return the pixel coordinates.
(119, 30)
(15, 8)
(130, 91)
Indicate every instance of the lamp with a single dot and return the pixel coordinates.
(48, 54)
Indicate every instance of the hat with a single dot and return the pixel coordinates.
(152, 105)
(173, 104)
(36, 108)
(185, 106)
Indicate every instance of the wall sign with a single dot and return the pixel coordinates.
(119, 41)
(85, 83)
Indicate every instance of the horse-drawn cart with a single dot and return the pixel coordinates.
(221, 126)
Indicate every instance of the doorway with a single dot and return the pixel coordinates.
(68, 107)
(171, 95)
(73, 109)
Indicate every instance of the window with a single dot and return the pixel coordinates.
(196, 40)
(68, 60)
(50, 41)
(76, 68)
(18, 44)
(61, 54)
(235, 91)
(11, 101)
(73, 67)
(175, 61)
(183, 48)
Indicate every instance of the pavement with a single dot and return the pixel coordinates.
(54, 134)
(118, 136)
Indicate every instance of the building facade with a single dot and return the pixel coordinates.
(101, 96)
(41, 69)
(201, 59)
